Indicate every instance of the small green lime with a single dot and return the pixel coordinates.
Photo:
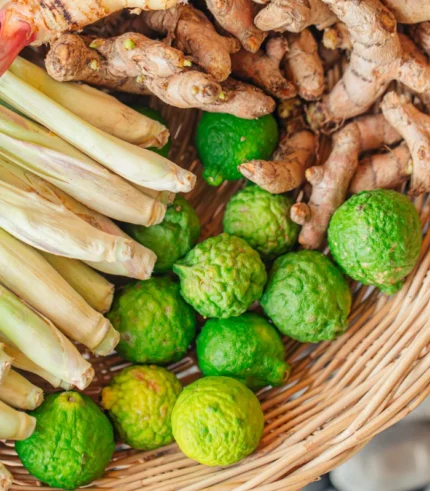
(72, 444)
(171, 239)
(307, 297)
(155, 323)
(153, 114)
(375, 237)
(246, 348)
(140, 401)
(221, 276)
(217, 421)
(263, 220)
(224, 142)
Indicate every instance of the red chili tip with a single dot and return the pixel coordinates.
(15, 34)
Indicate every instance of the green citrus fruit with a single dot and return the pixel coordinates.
(155, 323)
(224, 142)
(375, 237)
(140, 401)
(171, 239)
(263, 220)
(307, 297)
(72, 444)
(221, 276)
(217, 421)
(153, 114)
(246, 348)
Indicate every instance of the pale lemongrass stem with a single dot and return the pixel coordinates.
(22, 362)
(16, 391)
(53, 228)
(40, 151)
(6, 478)
(92, 286)
(5, 362)
(15, 425)
(95, 107)
(41, 341)
(30, 276)
(134, 163)
(166, 197)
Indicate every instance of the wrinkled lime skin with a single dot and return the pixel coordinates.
(263, 220)
(153, 114)
(140, 401)
(217, 421)
(247, 348)
(72, 444)
(221, 277)
(171, 239)
(307, 297)
(155, 323)
(375, 237)
(224, 142)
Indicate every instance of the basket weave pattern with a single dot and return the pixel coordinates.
(339, 396)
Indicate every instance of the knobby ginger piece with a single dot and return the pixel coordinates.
(379, 55)
(414, 127)
(189, 30)
(337, 36)
(409, 11)
(237, 18)
(421, 35)
(330, 183)
(294, 15)
(305, 66)
(263, 68)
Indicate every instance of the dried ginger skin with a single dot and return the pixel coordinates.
(49, 19)
(294, 15)
(414, 127)
(420, 33)
(305, 66)
(237, 18)
(191, 31)
(409, 11)
(379, 56)
(263, 69)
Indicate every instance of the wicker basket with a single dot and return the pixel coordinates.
(340, 394)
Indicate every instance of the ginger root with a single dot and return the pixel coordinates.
(237, 18)
(337, 36)
(305, 66)
(409, 11)
(379, 55)
(263, 69)
(190, 31)
(414, 127)
(420, 33)
(294, 15)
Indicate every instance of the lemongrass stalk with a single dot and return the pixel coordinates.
(30, 276)
(5, 362)
(38, 150)
(53, 228)
(95, 107)
(19, 360)
(15, 425)
(93, 287)
(41, 341)
(134, 163)
(165, 197)
(6, 478)
(139, 266)
(18, 392)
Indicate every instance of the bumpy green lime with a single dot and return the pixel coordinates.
(246, 348)
(221, 276)
(375, 237)
(153, 114)
(72, 444)
(171, 239)
(307, 297)
(155, 323)
(263, 220)
(224, 142)
(217, 421)
(140, 401)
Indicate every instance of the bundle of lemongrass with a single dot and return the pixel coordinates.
(71, 159)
